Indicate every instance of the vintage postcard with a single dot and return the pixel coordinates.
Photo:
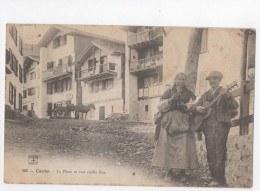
(129, 105)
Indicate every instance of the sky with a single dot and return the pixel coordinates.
(33, 33)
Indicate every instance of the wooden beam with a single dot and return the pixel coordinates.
(244, 98)
(249, 86)
(191, 67)
(247, 119)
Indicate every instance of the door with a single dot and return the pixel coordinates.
(49, 110)
(101, 112)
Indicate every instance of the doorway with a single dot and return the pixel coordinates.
(101, 112)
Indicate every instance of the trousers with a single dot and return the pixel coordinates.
(216, 134)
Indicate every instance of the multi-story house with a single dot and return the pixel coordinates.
(31, 86)
(14, 67)
(60, 47)
(145, 70)
(101, 70)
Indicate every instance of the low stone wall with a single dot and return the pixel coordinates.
(239, 164)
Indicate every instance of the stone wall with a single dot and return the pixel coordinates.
(239, 164)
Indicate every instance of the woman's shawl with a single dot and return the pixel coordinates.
(185, 96)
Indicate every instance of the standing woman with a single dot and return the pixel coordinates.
(175, 144)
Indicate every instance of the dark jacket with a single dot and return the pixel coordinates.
(225, 107)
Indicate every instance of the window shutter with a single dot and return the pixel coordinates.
(14, 97)
(7, 56)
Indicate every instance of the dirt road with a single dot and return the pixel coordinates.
(121, 149)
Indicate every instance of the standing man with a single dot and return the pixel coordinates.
(216, 127)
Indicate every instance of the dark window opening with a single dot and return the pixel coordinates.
(146, 108)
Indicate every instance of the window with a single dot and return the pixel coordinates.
(25, 107)
(20, 102)
(60, 62)
(148, 86)
(32, 75)
(63, 40)
(50, 65)
(24, 94)
(67, 61)
(66, 84)
(112, 66)
(32, 105)
(95, 86)
(14, 64)
(59, 41)
(54, 87)
(103, 64)
(146, 108)
(31, 91)
(148, 52)
(110, 84)
(20, 74)
(49, 88)
(11, 93)
(92, 66)
(59, 86)
(107, 84)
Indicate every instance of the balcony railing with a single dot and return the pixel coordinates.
(94, 72)
(145, 36)
(56, 72)
(151, 92)
(146, 63)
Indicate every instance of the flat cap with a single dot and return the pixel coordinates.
(215, 74)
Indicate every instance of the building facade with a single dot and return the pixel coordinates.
(60, 47)
(101, 71)
(14, 68)
(31, 86)
(145, 71)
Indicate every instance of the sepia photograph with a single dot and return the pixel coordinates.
(129, 105)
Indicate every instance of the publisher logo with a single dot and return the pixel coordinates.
(33, 159)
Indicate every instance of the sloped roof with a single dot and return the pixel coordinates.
(34, 58)
(28, 60)
(108, 47)
(53, 30)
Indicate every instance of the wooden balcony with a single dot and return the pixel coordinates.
(60, 71)
(147, 65)
(98, 72)
(151, 92)
(146, 38)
